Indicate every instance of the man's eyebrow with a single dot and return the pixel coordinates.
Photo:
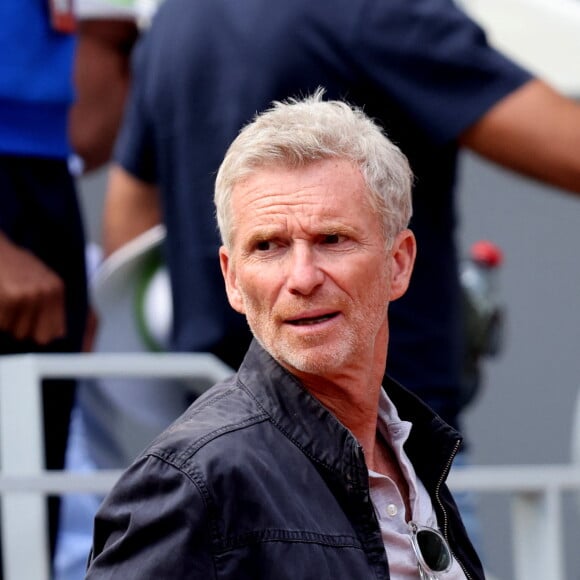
(336, 228)
(264, 233)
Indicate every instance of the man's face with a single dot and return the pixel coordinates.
(310, 268)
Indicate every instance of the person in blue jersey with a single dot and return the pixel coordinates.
(43, 296)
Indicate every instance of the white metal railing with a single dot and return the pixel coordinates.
(24, 480)
(536, 491)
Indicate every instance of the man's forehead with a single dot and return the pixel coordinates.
(319, 178)
(275, 198)
(298, 168)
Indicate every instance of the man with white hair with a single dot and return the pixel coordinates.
(304, 464)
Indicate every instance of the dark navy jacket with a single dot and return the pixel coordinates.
(257, 480)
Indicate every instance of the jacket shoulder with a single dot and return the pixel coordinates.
(224, 408)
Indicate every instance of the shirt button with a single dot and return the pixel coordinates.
(392, 510)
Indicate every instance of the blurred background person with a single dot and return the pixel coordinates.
(43, 298)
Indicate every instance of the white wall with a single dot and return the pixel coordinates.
(543, 35)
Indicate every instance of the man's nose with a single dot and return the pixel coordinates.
(304, 272)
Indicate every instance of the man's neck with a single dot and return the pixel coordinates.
(355, 403)
(354, 400)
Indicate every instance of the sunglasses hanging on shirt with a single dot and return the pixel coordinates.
(432, 550)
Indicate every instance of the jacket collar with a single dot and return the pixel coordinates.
(322, 437)
(432, 443)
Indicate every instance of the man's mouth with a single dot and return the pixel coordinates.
(312, 320)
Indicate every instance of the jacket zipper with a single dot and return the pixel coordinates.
(445, 518)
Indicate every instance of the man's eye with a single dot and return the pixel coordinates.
(264, 245)
(332, 239)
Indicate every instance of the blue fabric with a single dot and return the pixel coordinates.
(420, 67)
(257, 480)
(35, 80)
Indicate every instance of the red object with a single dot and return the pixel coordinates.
(62, 16)
(487, 253)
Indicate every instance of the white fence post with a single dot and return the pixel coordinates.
(536, 499)
(537, 535)
(24, 517)
(25, 549)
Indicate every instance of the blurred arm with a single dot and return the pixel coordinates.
(534, 131)
(101, 78)
(131, 208)
(31, 296)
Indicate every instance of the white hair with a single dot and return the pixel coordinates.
(297, 132)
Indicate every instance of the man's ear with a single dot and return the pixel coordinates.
(229, 274)
(402, 258)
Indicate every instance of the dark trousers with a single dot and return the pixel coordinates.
(39, 211)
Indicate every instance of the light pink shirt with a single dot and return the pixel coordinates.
(389, 504)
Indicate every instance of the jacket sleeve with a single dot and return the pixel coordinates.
(153, 524)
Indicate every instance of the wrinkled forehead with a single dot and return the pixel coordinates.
(317, 197)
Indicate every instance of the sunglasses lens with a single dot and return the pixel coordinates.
(434, 551)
